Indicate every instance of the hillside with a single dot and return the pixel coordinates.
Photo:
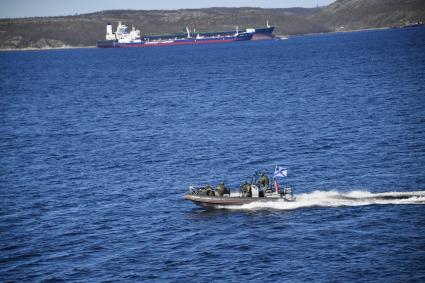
(85, 29)
(364, 14)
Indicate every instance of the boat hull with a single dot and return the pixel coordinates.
(188, 41)
(213, 201)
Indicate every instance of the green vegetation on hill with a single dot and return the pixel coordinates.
(84, 30)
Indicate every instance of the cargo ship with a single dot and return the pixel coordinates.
(123, 38)
(262, 33)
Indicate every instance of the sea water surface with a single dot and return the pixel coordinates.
(98, 147)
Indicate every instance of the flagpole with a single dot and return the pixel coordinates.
(276, 187)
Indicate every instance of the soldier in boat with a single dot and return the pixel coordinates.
(246, 189)
(221, 189)
(210, 190)
(265, 182)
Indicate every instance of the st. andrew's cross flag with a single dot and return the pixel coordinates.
(280, 172)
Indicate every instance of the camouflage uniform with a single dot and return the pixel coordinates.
(265, 182)
(246, 189)
(221, 190)
(209, 190)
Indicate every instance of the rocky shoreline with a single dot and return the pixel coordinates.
(42, 43)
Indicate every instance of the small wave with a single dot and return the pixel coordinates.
(336, 199)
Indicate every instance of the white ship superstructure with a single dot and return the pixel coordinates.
(122, 35)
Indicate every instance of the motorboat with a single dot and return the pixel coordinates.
(256, 191)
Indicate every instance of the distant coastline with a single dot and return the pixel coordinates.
(348, 31)
(295, 35)
(82, 31)
(46, 48)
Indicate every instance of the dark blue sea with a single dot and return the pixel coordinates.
(98, 148)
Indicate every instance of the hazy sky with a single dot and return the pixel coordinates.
(31, 8)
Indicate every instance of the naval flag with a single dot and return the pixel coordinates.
(280, 172)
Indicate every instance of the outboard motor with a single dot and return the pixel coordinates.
(287, 191)
(288, 194)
